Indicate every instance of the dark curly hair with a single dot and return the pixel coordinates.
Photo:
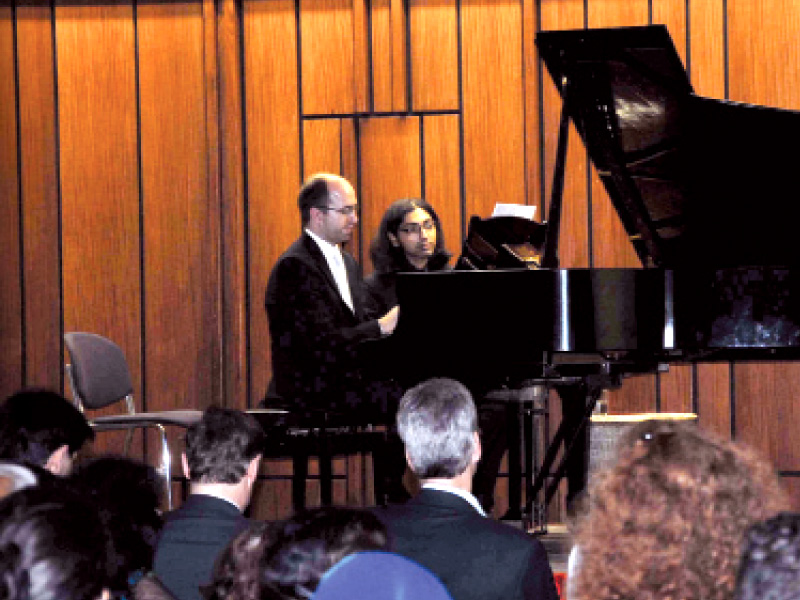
(667, 520)
(236, 571)
(387, 258)
(306, 545)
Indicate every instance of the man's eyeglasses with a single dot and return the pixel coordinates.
(345, 210)
(416, 228)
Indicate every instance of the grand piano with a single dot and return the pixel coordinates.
(705, 190)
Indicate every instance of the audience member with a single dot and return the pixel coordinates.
(444, 527)
(14, 477)
(42, 428)
(128, 494)
(770, 566)
(306, 545)
(223, 451)
(667, 520)
(53, 546)
(237, 569)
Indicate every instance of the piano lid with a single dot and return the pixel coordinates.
(695, 181)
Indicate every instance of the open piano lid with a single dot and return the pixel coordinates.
(695, 181)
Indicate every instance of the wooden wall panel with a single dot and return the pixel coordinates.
(10, 268)
(322, 142)
(232, 198)
(327, 51)
(494, 166)
(40, 205)
(434, 54)
(273, 159)
(180, 267)
(99, 174)
(763, 54)
(389, 85)
(442, 162)
(766, 408)
(706, 63)
(391, 168)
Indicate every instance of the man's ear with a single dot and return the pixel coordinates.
(477, 451)
(60, 461)
(252, 468)
(185, 463)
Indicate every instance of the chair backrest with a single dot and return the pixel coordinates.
(99, 373)
(379, 576)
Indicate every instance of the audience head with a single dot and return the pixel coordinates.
(410, 230)
(127, 493)
(668, 518)
(53, 546)
(438, 424)
(237, 570)
(305, 546)
(40, 427)
(221, 446)
(770, 567)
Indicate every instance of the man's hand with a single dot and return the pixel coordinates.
(389, 321)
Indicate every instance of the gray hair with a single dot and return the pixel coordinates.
(437, 421)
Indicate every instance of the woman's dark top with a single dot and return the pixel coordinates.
(382, 287)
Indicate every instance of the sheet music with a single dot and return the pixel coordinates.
(514, 210)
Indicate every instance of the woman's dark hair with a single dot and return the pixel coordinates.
(305, 546)
(53, 546)
(237, 569)
(128, 494)
(387, 258)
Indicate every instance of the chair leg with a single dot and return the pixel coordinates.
(325, 470)
(299, 476)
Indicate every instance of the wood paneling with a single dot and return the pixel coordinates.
(10, 289)
(391, 168)
(326, 51)
(273, 159)
(232, 192)
(389, 81)
(181, 325)
(434, 54)
(442, 175)
(99, 174)
(40, 220)
(494, 166)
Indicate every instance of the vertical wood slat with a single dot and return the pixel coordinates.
(99, 174)
(327, 52)
(442, 158)
(381, 53)
(361, 56)
(180, 245)
(391, 168)
(434, 54)
(399, 66)
(10, 290)
(232, 200)
(273, 159)
(493, 105)
(40, 207)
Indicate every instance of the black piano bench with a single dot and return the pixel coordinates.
(302, 435)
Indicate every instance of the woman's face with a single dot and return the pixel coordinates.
(416, 235)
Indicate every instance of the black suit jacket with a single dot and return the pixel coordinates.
(314, 334)
(476, 557)
(190, 541)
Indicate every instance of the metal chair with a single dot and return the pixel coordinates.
(99, 377)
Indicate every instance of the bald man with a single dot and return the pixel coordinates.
(316, 308)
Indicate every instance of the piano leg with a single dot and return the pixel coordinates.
(572, 433)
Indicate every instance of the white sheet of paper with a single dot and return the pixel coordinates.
(514, 210)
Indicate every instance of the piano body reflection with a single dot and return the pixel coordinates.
(705, 191)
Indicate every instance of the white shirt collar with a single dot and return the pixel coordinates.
(333, 256)
(441, 486)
